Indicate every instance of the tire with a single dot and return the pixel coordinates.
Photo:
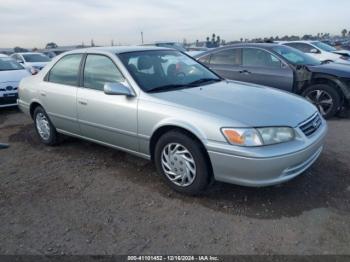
(50, 137)
(320, 94)
(193, 182)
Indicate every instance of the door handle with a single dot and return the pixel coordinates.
(82, 102)
(42, 93)
(246, 72)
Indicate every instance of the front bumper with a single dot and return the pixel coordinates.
(8, 101)
(267, 171)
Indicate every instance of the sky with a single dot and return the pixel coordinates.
(33, 23)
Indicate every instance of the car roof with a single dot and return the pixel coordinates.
(28, 53)
(239, 45)
(118, 49)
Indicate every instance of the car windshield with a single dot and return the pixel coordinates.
(7, 63)
(166, 70)
(33, 58)
(324, 46)
(295, 57)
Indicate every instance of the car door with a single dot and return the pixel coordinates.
(58, 93)
(227, 63)
(262, 67)
(111, 119)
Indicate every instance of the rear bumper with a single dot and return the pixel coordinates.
(260, 172)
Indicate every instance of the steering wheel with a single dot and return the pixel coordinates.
(180, 74)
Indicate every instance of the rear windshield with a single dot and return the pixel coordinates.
(32, 58)
(7, 63)
(294, 56)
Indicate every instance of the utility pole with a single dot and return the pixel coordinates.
(141, 37)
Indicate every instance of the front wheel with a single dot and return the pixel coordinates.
(326, 98)
(44, 128)
(182, 162)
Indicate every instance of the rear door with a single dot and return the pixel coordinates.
(110, 119)
(262, 67)
(227, 63)
(58, 93)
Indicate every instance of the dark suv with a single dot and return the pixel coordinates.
(327, 85)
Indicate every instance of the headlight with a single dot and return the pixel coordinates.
(259, 136)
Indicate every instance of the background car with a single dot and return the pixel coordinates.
(327, 85)
(11, 73)
(321, 51)
(173, 45)
(34, 61)
(162, 105)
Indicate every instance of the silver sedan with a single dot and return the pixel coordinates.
(162, 105)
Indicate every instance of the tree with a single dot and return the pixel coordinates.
(218, 40)
(51, 45)
(344, 32)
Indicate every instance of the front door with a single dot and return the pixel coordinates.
(110, 119)
(263, 68)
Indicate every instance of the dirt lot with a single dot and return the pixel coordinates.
(81, 198)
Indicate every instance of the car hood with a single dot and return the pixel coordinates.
(335, 69)
(13, 75)
(243, 104)
(342, 52)
(37, 64)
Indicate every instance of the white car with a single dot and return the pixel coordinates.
(321, 51)
(11, 73)
(33, 61)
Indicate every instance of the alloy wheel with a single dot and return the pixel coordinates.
(322, 100)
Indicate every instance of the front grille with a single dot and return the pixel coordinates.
(311, 125)
(8, 100)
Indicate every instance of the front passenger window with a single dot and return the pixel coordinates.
(100, 70)
(259, 58)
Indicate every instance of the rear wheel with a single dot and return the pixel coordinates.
(325, 97)
(44, 128)
(182, 163)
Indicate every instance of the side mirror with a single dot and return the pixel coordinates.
(314, 51)
(117, 89)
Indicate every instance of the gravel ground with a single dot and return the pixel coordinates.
(82, 198)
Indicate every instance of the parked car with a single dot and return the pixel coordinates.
(33, 61)
(162, 105)
(327, 85)
(321, 51)
(11, 73)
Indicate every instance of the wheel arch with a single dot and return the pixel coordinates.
(193, 133)
(33, 105)
(339, 85)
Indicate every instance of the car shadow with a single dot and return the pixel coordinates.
(324, 185)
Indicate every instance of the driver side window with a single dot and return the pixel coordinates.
(100, 70)
(260, 58)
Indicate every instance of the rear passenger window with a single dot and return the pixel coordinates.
(226, 57)
(301, 47)
(100, 70)
(66, 70)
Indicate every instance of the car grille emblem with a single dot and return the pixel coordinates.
(9, 88)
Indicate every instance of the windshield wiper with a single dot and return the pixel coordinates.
(204, 80)
(179, 86)
(165, 88)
